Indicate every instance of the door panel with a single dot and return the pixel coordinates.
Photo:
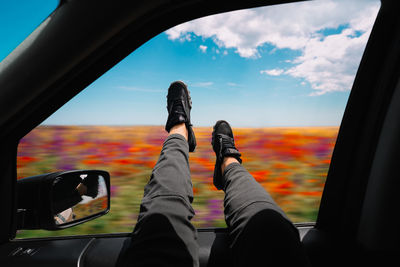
(104, 250)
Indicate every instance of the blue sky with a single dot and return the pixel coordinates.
(265, 67)
(18, 19)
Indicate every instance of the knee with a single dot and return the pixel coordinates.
(154, 222)
(269, 236)
(271, 223)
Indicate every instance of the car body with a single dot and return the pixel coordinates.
(81, 40)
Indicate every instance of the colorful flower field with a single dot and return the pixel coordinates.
(290, 163)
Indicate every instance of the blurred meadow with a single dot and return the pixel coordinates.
(290, 163)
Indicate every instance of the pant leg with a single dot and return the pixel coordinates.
(164, 235)
(259, 229)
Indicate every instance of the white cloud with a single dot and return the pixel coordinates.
(327, 63)
(203, 48)
(202, 84)
(330, 64)
(273, 72)
(233, 84)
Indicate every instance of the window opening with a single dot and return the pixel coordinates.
(281, 75)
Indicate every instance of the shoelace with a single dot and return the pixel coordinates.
(177, 106)
(225, 142)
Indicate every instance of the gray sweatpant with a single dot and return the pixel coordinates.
(165, 236)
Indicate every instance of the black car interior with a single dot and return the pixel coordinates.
(357, 222)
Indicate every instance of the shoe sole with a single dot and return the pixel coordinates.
(191, 137)
(188, 98)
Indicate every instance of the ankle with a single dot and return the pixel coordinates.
(227, 161)
(179, 129)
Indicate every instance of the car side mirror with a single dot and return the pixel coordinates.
(62, 199)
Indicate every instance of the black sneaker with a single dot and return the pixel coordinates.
(179, 105)
(224, 146)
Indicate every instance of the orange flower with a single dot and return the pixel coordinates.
(260, 176)
(123, 161)
(313, 193)
(280, 165)
(327, 161)
(91, 161)
(286, 173)
(285, 185)
(195, 190)
(26, 159)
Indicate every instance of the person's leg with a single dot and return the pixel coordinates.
(164, 235)
(260, 231)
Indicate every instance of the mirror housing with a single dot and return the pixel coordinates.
(60, 200)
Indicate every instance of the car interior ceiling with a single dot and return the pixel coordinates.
(355, 223)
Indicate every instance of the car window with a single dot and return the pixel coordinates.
(281, 75)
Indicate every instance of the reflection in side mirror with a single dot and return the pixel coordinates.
(62, 199)
(77, 197)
